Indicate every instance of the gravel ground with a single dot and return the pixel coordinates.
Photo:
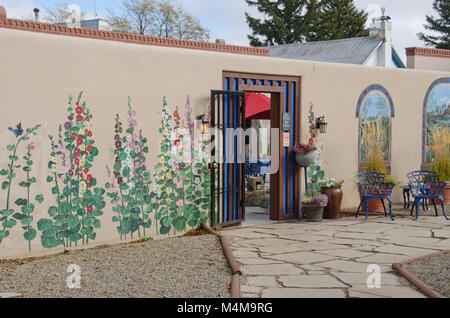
(185, 267)
(433, 271)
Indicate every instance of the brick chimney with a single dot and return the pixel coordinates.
(381, 28)
(2, 12)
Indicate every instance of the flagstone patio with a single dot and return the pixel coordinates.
(330, 259)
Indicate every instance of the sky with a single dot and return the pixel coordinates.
(225, 19)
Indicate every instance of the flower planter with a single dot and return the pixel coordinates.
(375, 205)
(333, 209)
(446, 196)
(305, 160)
(313, 212)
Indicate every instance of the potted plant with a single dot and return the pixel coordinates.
(304, 154)
(313, 203)
(441, 161)
(332, 188)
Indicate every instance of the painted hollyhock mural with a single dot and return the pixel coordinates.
(79, 203)
(21, 210)
(129, 180)
(182, 186)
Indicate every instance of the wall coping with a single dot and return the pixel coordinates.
(423, 51)
(129, 37)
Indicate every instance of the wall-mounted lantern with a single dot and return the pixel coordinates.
(322, 125)
(204, 123)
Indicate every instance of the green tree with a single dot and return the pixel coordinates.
(339, 19)
(287, 21)
(440, 26)
(290, 21)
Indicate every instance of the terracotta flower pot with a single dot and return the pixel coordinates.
(313, 212)
(333, 209)
(305, 160)
(375, 205)
(446, 196)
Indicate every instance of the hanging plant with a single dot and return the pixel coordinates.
(78, 202)
(25, 204)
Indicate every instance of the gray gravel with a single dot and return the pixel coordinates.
(433, 271)
(185, 267)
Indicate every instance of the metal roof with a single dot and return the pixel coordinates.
(350, 51)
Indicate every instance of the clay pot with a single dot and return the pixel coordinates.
(305, 160)
(446, 196)
(333, 209)
(313, 212)
(375, 205)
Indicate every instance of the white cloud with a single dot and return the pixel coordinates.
(18, 8)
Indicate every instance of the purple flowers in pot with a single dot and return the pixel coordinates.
(303, 149)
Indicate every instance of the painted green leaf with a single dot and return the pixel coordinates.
(28, 208)
(10, 147)
(5, 185)
(179, 223)
(3, 234)
(52, 211)
(26, 220)
(21, 202)
(164, 230)
(3, 172)
(30, 234)
(39, 198)
(9, 223)
(44, 225)
(19, 216)
(6, 212)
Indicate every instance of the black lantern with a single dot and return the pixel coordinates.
(204, 123)
(322, 125)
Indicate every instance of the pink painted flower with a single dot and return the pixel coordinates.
(179, 203)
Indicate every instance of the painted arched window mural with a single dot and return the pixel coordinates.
(375, 109)
(436, 121)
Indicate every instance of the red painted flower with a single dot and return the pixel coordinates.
(79, 140)
(89, 148)
(86, 170)
(90, 208)
(74, 136)
(79, 110)
(79, 118)
(81, 176)
(76, 151)
(89, 177)
(77, 161)
(89, 133)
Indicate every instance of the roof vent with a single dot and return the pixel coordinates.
(36, 14)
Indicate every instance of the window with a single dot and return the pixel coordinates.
(375, 109)
(436, 117)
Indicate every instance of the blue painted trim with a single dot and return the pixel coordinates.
(285, 152)
(225, 214)
(397, 60)
(235, 87)
(292, 144)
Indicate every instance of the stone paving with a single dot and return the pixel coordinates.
(330, 259)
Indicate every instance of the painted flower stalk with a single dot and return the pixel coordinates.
(25, 205)
(129, 181)
(79, 202)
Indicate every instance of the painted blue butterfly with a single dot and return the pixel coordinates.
(18, 130)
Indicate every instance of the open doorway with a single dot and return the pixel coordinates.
(283, 93)
(257, 165)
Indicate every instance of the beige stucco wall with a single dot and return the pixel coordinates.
(39, 71)
(431, 63)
